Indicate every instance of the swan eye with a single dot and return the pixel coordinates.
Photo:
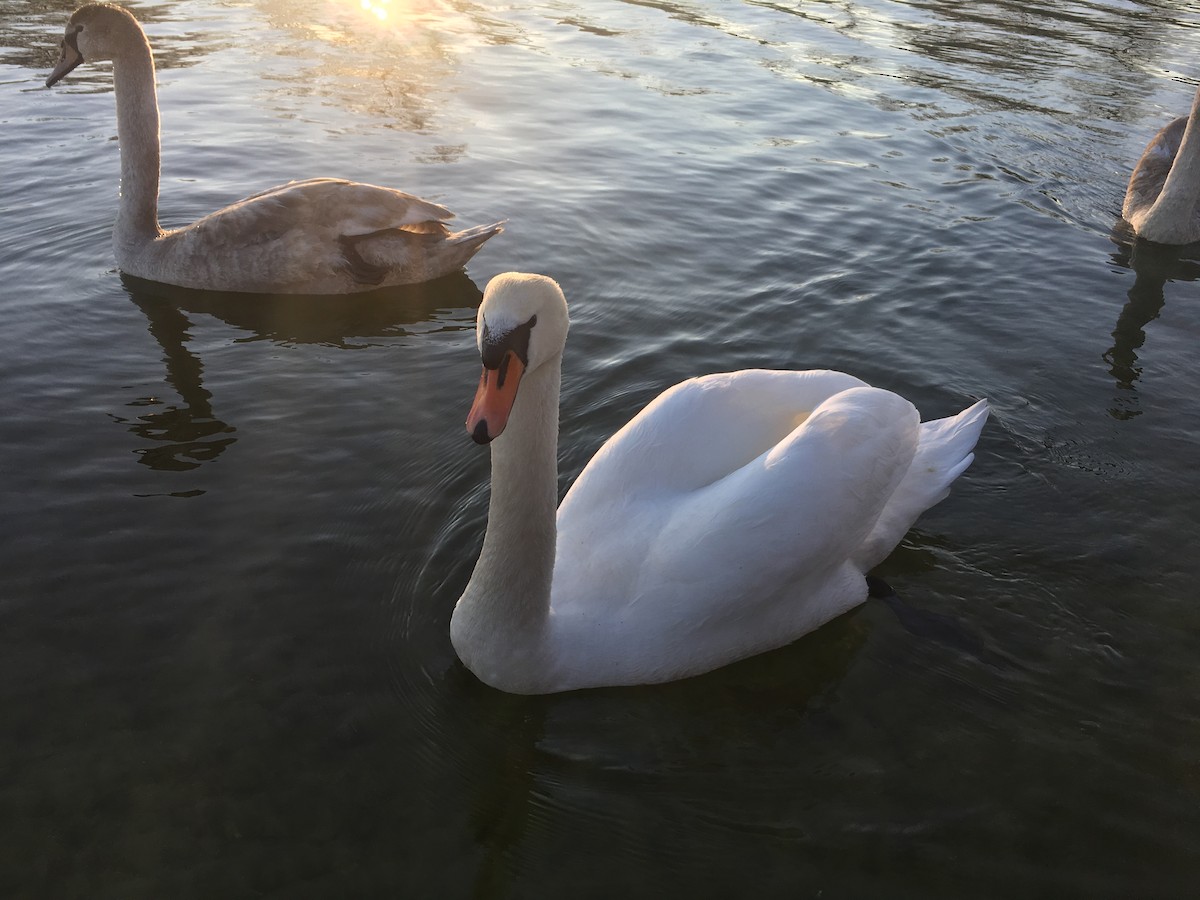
(71, 39)
(494, 346)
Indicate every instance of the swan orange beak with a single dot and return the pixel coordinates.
(494, 399)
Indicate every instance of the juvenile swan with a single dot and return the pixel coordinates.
(321, 236)
(732, 515)
(1162, 202)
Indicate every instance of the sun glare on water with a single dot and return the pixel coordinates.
(392, 19)
(405, 20)
(378, 12)
(377, 8)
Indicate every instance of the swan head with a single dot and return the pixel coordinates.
(95, 32)
(522, 324)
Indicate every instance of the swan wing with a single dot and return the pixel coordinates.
(702, 429)
(707, 552)
(357, 207)
(315, 236)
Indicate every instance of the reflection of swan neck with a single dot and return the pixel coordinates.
(138, 133)
(505, 606)
(1174, 218)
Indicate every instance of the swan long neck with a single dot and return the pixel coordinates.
(1176, 211)
(499, 625)
(138, 134)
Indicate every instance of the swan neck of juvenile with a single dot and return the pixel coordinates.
(499, 626)
(1175, 215)
(138, 135)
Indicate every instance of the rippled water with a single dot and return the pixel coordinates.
(234, 530)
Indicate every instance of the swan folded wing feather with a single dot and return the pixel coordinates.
(287, 185)
(944, 451)
(692, 435)
(269, 243)
(320, 205)
(354, 205)
(788, 520)
(701, 430)
(802, 508)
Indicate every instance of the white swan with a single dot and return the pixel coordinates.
(321, 236)
(1162, 202)
(732, 515)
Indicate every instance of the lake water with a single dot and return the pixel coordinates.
(234, 529)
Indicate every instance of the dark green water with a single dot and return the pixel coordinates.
(233, 531)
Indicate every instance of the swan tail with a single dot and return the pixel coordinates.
(452, 252)
(410, 254)
(470, 240)
(945, 450)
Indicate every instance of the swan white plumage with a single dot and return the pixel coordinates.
(320, 236)
(1162, 202)
(732, 515)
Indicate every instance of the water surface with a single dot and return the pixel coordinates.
(234, 530)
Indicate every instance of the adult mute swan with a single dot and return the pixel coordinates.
(732, 515)
(1162, 202)
(320, 236)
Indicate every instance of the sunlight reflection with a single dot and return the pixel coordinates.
(406, 20)
(374, 62)
(378, 12)
(377, 8)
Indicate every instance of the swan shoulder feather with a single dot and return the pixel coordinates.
(701, 429)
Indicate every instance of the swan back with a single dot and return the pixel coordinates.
(700, 430)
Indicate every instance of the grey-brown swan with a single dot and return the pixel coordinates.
(1162, 202)
(320, 236)
(732, 515)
